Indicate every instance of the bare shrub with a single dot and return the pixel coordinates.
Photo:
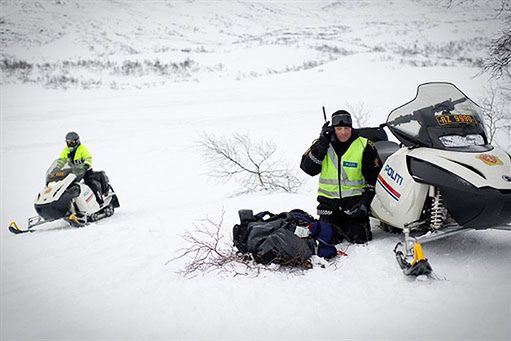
(455, 52)
(88, 73)
(333, 49)
(61, 81)
(252, 165)
(16, 69)
(497, 63)
(500, 56)
(359, 114)
(207, 252)
(496, 117)
(311, 64)
(12, 65)
(130, 68)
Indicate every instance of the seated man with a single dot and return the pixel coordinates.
(78, 154)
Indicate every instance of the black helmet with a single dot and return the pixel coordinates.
(72, 140)
(341, 118)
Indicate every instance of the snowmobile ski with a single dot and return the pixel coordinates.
(418, 266)
(14, 228)
(72, 219)
(32, 222)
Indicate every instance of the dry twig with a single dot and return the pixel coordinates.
(495, 114)
(207, 252)
(251, 164)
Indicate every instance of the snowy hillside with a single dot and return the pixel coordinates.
(105, 44)
(141, 82)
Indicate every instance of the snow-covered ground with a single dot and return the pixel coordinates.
(280, 62)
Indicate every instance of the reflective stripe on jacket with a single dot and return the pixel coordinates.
(82, 155)
(347, 180)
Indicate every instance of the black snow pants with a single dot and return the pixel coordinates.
(354, 230)
(98, 183)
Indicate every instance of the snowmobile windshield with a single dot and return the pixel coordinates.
(60, 169)
(442, 117)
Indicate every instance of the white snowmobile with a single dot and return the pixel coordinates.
(444, 178)
(66, 197)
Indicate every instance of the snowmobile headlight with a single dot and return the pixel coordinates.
(450, 141)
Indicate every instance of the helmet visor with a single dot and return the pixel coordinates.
(341, 120)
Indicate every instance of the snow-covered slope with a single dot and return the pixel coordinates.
(56, 30)
(112, 279)
(112, 44)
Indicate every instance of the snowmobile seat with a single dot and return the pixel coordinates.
(374, 134)
(385, 149)
(377, 135)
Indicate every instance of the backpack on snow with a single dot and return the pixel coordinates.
(270, 238)
(323, 233)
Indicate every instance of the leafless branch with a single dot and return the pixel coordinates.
(251, 164)
(359, 114)
(500, 56)
(496, 117)
(206, 252)
(497, 63)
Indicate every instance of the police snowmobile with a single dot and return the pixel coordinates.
(66, 197)
(445, 177)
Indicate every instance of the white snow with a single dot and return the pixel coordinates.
(112, 279)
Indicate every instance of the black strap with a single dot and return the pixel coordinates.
(260, 216)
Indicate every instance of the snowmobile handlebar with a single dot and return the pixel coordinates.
(60, 170)
(447, 105)
(401, 119)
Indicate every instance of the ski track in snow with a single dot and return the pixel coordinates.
(112, 279)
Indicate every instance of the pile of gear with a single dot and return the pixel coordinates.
(292, 238)
(288, 238)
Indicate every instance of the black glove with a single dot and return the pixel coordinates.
(368, 194)
(326, 133)
(358, 210)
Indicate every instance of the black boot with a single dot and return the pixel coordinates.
(99, 198)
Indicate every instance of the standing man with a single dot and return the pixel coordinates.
(348, 165)
(79, 155)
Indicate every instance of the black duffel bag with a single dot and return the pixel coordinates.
(270, 238)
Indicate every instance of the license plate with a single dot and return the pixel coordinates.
(455, 119)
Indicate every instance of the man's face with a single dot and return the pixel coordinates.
(343, 134)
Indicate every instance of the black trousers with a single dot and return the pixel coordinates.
(91, 179)
(353, 230)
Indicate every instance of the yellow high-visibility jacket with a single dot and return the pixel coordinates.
(82, 155)
(343, 178)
